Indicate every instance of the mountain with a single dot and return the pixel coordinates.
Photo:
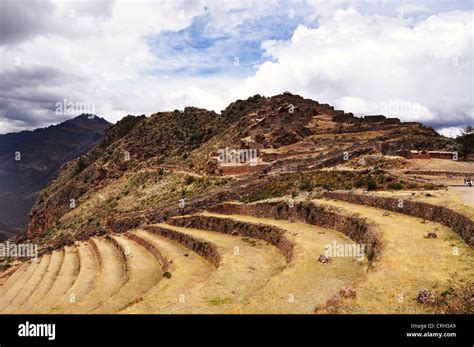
(29, 160)
(274, 205)
(144, 165)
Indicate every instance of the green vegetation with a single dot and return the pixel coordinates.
(217, 301)
(395, 186)
(80, 165)
(466, 139)
(249, 241)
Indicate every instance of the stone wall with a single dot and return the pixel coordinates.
(245, 169)
(122, 255)
(328, 160)
(207, 250)
(152, 249)
(354, 227)
(271, 234)
(96, 252)
(374, 119)
(461, 224)
(439, 173)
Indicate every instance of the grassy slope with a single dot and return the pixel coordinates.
(409, 262)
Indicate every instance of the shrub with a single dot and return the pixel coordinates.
(80, 166)
(395, 186)
(306, 186)
(189, 180)
(371, 184)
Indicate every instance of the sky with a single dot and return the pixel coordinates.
(407, 59)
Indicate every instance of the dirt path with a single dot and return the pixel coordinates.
(409, 262)
(466, 194)
(441, 165)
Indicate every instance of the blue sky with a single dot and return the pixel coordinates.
(201, 49)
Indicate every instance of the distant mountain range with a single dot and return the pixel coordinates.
(29, 160)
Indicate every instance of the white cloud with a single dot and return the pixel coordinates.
(104, 46)
(370, 61)
(452, 132)
(367, 62)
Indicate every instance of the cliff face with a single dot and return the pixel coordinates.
(145, 165)
(31, 159)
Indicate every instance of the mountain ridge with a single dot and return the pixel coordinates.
(31, 159)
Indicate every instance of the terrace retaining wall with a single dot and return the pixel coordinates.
(461, 224)
(271, 234)
(207, 250)
(355, 228)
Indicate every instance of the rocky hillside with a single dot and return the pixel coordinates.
(148, 168)
(29, 160)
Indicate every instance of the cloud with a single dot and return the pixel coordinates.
(409, 9)
(21, 20)
(29, 77)
(419, 71)
(104, 55)
(28, 95)
(450, 131)
(141, 57)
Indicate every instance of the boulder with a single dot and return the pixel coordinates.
(324, 260)
(425, 297)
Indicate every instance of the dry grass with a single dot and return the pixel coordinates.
(131, 192)
(242, 271)
(305, 282)
(450, 198)
(187, 271)
(409, 262)
(441, 165)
